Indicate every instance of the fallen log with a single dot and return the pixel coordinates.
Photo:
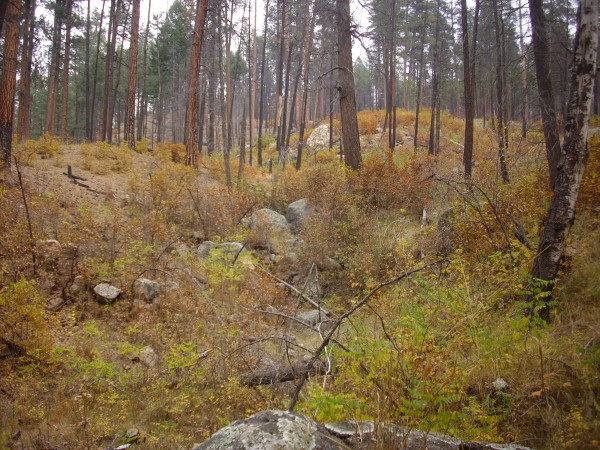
(281, 374)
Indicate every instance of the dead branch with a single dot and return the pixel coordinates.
(296, 291)
(339, 320)
(281, 374)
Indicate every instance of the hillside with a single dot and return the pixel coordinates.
(226, 293)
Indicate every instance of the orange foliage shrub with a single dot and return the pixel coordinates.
(369, 121)
(588, 195)
(169, 151)
(383, 184)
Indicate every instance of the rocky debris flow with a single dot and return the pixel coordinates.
(270, 430)
(106, 292)
(271, 229)
(273, 430)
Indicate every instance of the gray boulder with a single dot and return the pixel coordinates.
(106, 292)
(144, 289)
(296, 212)
(273, 430)
(368, 435)
(270, 229)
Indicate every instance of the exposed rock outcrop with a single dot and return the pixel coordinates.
(279, 430)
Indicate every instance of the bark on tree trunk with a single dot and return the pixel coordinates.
(308, 38)
(132, 85)
(350, 136)
(24, 122)
(8, 78)
(502, 141)
(541, 56)
(91, 125)
(574, 153)
(262, 87)
(191, 143)
(50, 122)
(65, 79)
(468, 90)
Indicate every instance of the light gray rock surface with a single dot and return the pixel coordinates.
(144, 289)
(273, 430)
(296, 212)
(270, 229)
(107, 292)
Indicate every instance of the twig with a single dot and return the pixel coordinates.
(27, 214)
(338, 322)
(293, 289)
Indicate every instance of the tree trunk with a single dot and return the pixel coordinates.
(350, 136)
(420, 79)
(574, 153)
(105, 124)
(308, 38)
(525, 108)
(143, 108)
(65, 79)
(468, 90)
(50, 122)
(502, 130)
(24, 123)
(132, 85)
(191, 143)
(113, 98)
(262, 86)
(434, 94)
(541, 56)
(8, 78)
(91, 125)
(88, 30)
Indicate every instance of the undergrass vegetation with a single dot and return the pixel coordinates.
(447, 349)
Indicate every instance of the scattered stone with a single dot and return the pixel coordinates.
(148, 356)
(107, 292)
(296, 212)
(500, 384)
(144, 289)
(273, 430)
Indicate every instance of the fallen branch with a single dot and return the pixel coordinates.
(281, 374)
(317, 353)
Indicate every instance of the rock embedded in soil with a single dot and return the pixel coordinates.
(107, 292)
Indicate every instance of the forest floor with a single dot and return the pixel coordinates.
(427, 353)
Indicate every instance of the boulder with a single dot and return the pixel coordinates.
(77, 286)
(368, 435)
(328, 264)
(319, 138)
(296, 212)
(283, 430)
(106, 292)
(274, 430)
(270, 229)
(144, 289)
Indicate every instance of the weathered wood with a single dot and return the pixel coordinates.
(281, 374)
